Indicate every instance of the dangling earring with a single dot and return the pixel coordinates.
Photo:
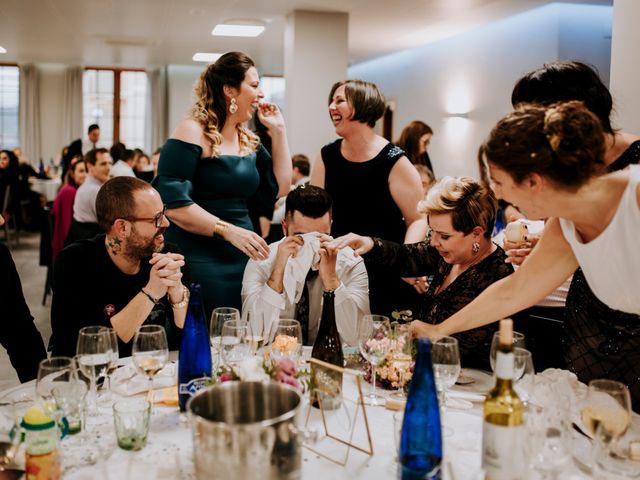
(233, 106)
(475, 247)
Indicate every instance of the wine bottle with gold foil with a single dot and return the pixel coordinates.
(503, 426)
(327, 384)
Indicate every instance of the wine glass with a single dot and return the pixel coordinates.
(523, 374)
(51, 372)
(606, 415)
(113, 363)
(374, 343)
(218, 317)
(150, 352)
(9, 436)
(445, 355)
(235, 341)
(94, 354)
(288, 340)
(518, 341)
(401, 359)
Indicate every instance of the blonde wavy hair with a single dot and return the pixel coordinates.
(210, 109)
(469, 202)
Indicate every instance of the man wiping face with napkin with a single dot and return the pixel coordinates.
(300, 267)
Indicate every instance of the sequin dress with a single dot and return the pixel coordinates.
(600, 342)
(417, 259)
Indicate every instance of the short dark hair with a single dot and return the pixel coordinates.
(365, 98)
(127, 155)
(92, 155)
(309, 200)
(92, 127)
(563, 142)
(117, 151)
(301, 162)
(116, 200)
(563, 81)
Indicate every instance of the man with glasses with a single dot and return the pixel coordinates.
(123, 278)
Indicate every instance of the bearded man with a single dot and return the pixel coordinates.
(124, 278)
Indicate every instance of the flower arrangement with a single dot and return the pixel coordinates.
(256, 369)
(285, 345)
(396, 369)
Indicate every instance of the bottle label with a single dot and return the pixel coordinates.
(504, 365)
(503, 451)
(192, 387)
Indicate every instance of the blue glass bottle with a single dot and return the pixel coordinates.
(195, 351)
(421, 438)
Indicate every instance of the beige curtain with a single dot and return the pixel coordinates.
(72, 105)
(157, 124)
(29, 112)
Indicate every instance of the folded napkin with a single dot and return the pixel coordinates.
(560, 391)
(469, 396)
(125, 381)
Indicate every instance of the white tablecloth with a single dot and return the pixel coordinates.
(168, 455)
(49, 188)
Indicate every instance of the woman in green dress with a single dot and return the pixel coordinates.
(209, 168)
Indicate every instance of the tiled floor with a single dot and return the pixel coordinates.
(26, 258)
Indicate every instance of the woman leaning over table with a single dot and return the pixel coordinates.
(375, 188)
(547, 161)
(209, 168)
(459, 254)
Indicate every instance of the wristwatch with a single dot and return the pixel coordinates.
(185, 299)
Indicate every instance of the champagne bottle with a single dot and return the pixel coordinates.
(327, 348)
(503, 429)
(195, 352)
(421, 436)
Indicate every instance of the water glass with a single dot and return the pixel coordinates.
(518, 342)
(523, 374)
(549, 445)
(235, 342)
(94, 352)
(9, 436)
(51, 372)
(70, 398)
(445, 355)
(218, 317)
(131, 418)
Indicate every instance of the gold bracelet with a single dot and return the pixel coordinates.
(220, 229)
(185, 299)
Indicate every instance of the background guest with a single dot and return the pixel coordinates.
(211, 165)
(375, 188)
(459, 254)
(426, 178)
(414, 140)
(62, 210)
(91, 142)
(123, 167)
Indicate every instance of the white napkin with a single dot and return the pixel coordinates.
(125, 381)
(469, 396)
(558, 389)
(297, 268)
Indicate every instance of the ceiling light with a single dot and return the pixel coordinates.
(239, 28)
(205, 57)
(3, 50)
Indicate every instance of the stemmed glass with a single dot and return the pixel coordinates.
(607, 415)
(523, 373)
(518, 342)
(401, 357)
(9, 438)
(94, 354)
(113, 363)
(218, 317)
(235, 342)
(150, 352)
(374, 343)
(288, 340)
(445, 356)
(51, 373)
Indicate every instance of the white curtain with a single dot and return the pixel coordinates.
(157, 124)
(72, 128)
(29, 112)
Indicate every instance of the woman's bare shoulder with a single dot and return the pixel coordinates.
(188, 130)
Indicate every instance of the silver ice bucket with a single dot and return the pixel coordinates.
(246, 430)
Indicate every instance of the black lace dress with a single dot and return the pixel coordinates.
(419, 259)
(600, 342)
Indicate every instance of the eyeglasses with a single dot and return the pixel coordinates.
(157, 220)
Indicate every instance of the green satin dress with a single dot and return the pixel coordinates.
(221, 185)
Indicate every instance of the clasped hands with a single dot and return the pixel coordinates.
(165, 277)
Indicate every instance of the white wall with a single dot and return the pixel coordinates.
(475, 73)
(181, 80)
(625, 67)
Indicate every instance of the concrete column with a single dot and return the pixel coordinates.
(316, 56)
(625, 68)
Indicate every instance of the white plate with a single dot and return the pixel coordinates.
(481, 382)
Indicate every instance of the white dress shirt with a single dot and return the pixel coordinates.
(122, 169)
(264, 306)
(84, 205)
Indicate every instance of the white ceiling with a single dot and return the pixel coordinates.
(144, 33)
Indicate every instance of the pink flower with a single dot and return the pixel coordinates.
(287, 366)
(225, 377)
(282, 377)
